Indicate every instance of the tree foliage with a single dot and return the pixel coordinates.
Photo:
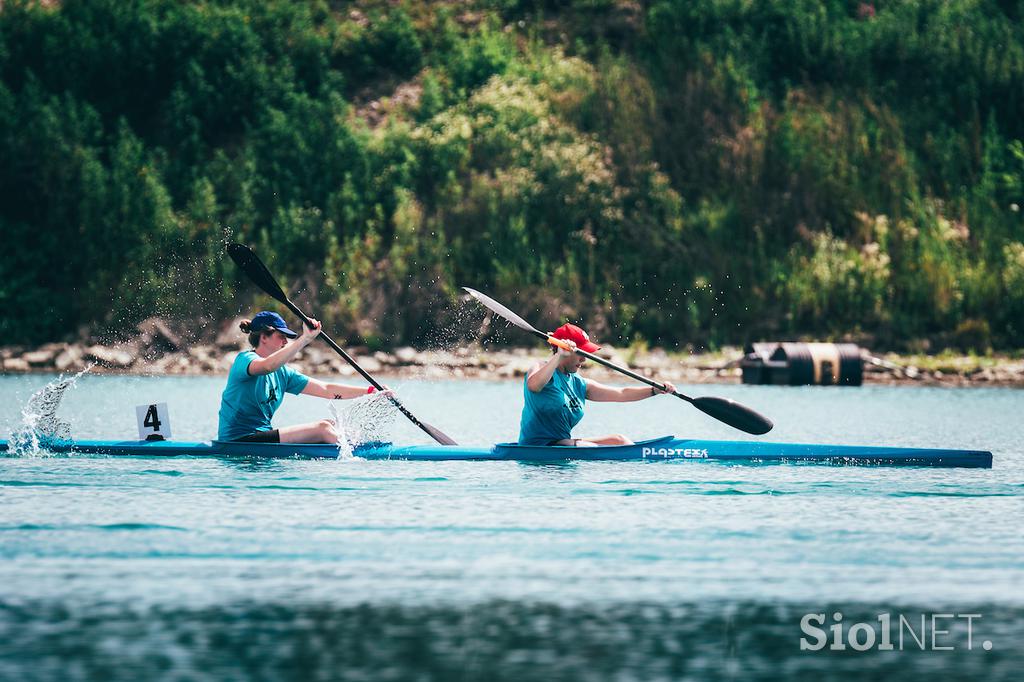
(703, 172)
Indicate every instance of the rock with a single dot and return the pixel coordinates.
(155, 335)
(369, 364)
(482, 361)
(339, 366)
(435, 372)
(316, 356)
(655, 357)
(383, 358)
(618, 360)
(43, 356)
(70, 358)
(198, 352)
(180, 365)
(516, 368)
(205, 357)
(39, 358)
(15, 365)
(223, 363)
(231, 336)
(431, 358)
(110, 357)
(405, 355)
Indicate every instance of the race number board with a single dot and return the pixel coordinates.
(154, 422)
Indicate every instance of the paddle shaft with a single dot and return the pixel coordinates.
(601, 361)
(330, 342)
(250, 263)
(373, 382)
(724, 410)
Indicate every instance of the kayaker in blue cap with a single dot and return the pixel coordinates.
(259, 378)
(554, 395)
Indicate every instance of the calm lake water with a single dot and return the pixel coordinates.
(185, 569)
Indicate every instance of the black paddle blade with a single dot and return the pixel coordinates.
(432, 431)
(502, 310)
(439, 436)
(734, 414)
(252, 266)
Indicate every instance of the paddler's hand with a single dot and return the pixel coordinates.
(310, 332)
(562, 352)
(669, 388)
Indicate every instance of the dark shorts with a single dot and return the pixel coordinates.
(272, 436)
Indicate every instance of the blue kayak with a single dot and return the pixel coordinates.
(655, 450)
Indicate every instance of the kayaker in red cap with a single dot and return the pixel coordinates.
(555, 394)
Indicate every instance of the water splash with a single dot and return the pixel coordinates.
(40, 425)
(344, 447)
(363, 420)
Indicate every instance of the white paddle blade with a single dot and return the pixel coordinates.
(501, 310)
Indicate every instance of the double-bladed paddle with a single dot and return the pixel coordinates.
(724, 410)
(252, 266)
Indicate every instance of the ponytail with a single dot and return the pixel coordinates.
(254, 337)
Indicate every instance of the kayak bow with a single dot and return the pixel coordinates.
(656, 449)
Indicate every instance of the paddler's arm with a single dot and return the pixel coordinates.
(281, 357)
(541, 374)
(321, 389)
(600, 393)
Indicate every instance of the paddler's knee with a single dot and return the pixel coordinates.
(618, 439)
(326, 429)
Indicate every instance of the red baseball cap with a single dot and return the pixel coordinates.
(570, 332)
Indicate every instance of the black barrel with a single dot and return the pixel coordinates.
(757, 368)
(851, 364)
(797, 357)
(803, 364)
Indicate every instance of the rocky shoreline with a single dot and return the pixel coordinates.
(158, 350)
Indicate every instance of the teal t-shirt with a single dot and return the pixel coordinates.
(552, 413)
(249, 402)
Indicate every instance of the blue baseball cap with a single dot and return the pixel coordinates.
(271, 320)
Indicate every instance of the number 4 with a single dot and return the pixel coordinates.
(152, 420)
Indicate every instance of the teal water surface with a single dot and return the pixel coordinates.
(215, 569)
